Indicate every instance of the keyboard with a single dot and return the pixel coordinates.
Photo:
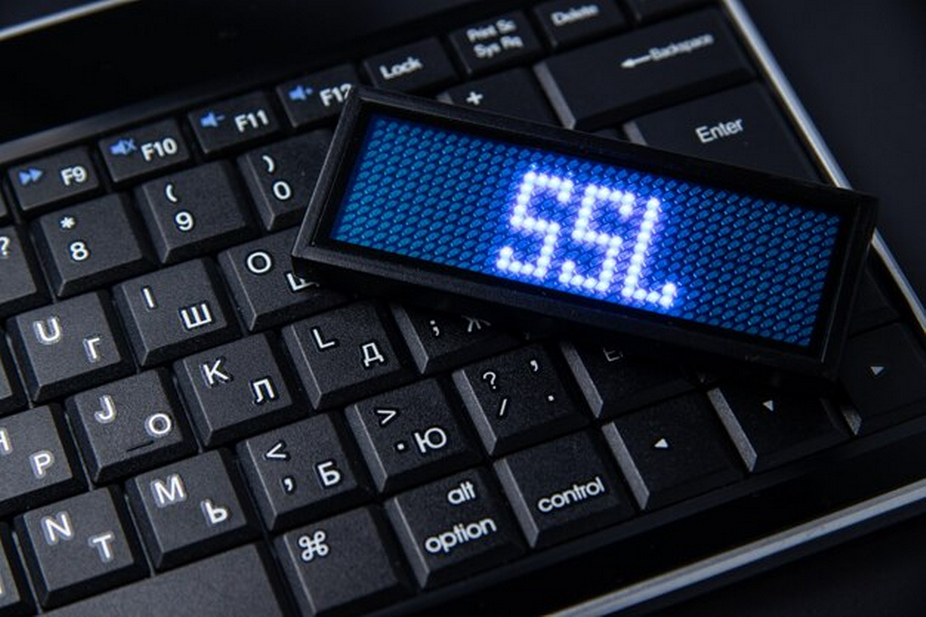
(189, 427)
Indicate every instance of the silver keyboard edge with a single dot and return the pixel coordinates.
(752, 553)
(60, 17)
(811, 135)
(780, 543)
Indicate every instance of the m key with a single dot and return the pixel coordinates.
(69, 346)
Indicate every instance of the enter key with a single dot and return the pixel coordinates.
(741, 126)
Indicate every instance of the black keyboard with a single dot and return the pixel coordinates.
(188, 427)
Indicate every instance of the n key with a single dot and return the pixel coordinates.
(69, 346)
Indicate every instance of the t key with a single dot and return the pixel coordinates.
(69, 346)
(517, 399)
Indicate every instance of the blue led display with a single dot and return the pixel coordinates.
(563, 223)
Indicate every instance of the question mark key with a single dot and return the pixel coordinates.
(19, 274)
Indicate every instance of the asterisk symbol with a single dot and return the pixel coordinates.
(67, 222)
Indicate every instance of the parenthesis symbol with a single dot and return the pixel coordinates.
(270, 163)
(169, 193)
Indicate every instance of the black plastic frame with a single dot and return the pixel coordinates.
(534, 308)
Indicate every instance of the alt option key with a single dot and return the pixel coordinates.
(454, 527)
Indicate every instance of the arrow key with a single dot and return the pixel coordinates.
(672, 451)
(303, 471)
(884, 373)
(770, 428)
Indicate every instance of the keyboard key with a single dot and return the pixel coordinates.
(648, 10)
(672, 451)
(4, 211)
(303, 471)
(411, 435)
(37, 462)
(54, 179)
(69, 346)
(130, 426)
(614, 382)
(193, 212)
(517, 399)
(439, 341)
(568, 22)
(495, 43)
(771, 428)
(345, 354)
(357, 546)
(740, 126)
(144, 150)
(211, 587)
(264, 286)
(11, 394)
(189, 509)
(657, 66)
(317, 97)
(563, 489)
(454, 527)
(80, 546)
(884, 373)
(236, 390)
(14, 595)
(91, 245)
(173, 312)
(512, 93)
(234, 122)
(281, 176)
(22, 286)
(419, 66)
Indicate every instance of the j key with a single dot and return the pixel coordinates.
(422, 65)
(68, 346)
(495, 43)
(37, 462)
(190, 509)
(173, 312)
(145, 150)
(512, 93)
(356, 547)
(317, 97)
(454, 527)
(91, 245)
(281, 176)
(739, 126)
(884, 373)
(657, 66)
(235, 390)
(80, 546)
(871, 308)
(11, 394)
(568, 22)
(200, 589)
(57, 178)
(648, 10)
(345, 354)
(14, 595)
(562, 489)
(303, 471)
(264, 286)
(22, 286)
(672, 451)
(129, 426)
(517, 399)
(439, 341)
(614, 382)
(195, 211)
(410, 435)
(234, 122)
(770, 428)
